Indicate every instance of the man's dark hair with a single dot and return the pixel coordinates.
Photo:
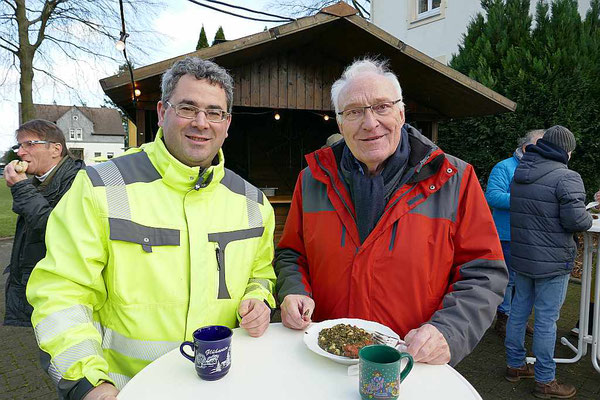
(44, 130)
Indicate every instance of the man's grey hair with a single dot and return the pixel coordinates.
(530, 137)
(200, 69)
(359, 67)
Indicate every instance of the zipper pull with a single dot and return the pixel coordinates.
(199, 182)
(218, 254)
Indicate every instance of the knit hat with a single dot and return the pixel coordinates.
(561, 137)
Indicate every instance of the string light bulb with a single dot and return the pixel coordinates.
(137, 92)
(326, 117)
(277, 116)
(120, 45)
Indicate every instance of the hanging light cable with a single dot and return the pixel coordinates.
(122, 39)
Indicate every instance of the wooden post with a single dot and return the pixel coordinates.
(434, 131)
(132, 129)
(141, 126)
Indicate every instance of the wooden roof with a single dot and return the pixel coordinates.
(341, 36)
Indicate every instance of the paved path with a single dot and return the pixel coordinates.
(22, 378)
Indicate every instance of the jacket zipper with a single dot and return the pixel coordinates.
(218, 255)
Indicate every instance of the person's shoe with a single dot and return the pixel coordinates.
(516, 374)
(500, 326)
(554, 390)
(529, 330)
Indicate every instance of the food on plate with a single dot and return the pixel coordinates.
(344, 340)
(20, 166)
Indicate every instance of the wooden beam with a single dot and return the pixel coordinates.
(141, 126)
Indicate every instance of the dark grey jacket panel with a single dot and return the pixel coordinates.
(547, 205)
(32, 201)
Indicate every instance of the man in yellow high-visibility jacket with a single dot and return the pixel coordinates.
(148, 247)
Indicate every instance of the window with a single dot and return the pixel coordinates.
(97, 154)
(71, 134)
(75, 117)
(77, 153)
(78, 134)
(426, 8)
(423, 12)
(110, 154)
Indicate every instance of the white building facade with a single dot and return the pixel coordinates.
(85, 142)
(434, 27)
(92, 134)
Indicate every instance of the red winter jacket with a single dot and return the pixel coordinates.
(434, 256)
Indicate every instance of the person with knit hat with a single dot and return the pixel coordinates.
(547, 205)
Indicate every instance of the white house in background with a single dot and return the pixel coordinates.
(434, 27)
(91, 133)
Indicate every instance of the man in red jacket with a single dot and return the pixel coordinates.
(386, 227)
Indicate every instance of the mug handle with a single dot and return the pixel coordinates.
(184, 353)
(408, 367)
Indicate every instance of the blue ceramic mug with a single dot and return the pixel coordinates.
(212, 351)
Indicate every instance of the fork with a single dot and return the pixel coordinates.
(387, 340)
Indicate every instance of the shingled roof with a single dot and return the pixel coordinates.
(107, 121)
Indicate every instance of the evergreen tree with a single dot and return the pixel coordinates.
(219, 36)
(202, 40)
(549, 69)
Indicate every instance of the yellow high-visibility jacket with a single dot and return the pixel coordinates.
(142, 251)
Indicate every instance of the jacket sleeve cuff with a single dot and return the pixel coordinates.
(74, 390)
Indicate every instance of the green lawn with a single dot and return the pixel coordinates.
(8, 219)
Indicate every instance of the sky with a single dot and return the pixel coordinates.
(179, 25)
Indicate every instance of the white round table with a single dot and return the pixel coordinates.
(279, 365)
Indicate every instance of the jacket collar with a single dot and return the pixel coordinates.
(425, 157)
(179, 175)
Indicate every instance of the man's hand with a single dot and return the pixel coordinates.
(104, 391)
(427, 345)
(255, 316)
(11, 175)
(296, 311)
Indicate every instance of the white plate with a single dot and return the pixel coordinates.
(311, 336)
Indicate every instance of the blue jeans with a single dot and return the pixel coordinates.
(547, 296)
(504, 307)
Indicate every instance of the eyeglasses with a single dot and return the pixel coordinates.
(189, 111)
(357, 113)
(29, 144)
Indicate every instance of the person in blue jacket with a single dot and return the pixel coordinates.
(497, 195)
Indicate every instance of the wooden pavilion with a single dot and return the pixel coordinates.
(287, 72)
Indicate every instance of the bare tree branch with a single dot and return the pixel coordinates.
(14, 7)
(8, 49)
(33, 33)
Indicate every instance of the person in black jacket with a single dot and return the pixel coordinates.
(547, 205)
(51, 169)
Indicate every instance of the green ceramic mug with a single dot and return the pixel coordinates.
(379, 371)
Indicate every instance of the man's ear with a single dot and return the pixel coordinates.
(57, 150)
(160, 110)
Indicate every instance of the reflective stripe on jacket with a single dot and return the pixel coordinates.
(143, 251)
(434, 256)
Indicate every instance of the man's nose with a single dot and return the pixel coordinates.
(201, 121)
(21, 151)
(369, 120)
